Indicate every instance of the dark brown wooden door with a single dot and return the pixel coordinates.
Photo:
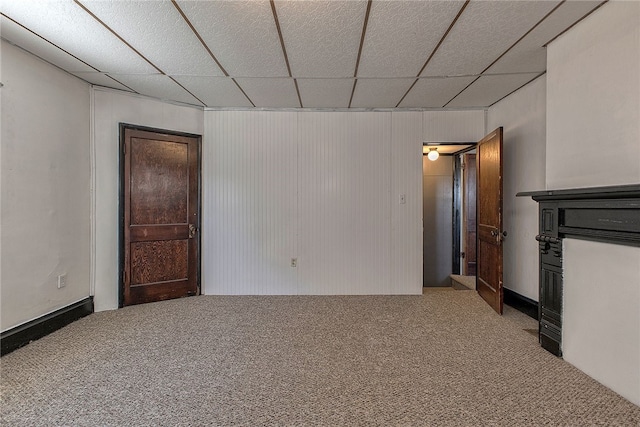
(469, 214)
(161, 217)
(490, 236)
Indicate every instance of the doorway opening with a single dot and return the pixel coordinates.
(449, 215)
(487, 220)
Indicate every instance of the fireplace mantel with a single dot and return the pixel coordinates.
(607, 214)
(603, 214)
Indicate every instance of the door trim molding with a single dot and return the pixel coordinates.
(121, 144)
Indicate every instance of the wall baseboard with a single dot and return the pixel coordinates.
(521, 303)
(19, 336)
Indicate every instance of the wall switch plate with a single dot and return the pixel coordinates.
(403, 199)
(62, 281)
(294, 262)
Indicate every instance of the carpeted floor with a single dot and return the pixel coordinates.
(440, 359)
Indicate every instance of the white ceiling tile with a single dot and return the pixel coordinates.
(484, 31)
(380, 93)
(402, 34)
(101, 79)
(325, 93)
(270, 92)
(529, 54)
(434, 92)
(489, 89)
(67, 25)
(30, 42)
(241, 34)
(322, 38)
(157, 30)
(215, 91)
(157, 86)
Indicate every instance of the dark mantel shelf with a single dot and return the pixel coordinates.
(618, 191)
(604, 214)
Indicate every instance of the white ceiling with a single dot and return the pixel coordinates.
(292, 54)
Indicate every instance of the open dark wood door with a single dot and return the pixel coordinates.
(160, 215)
(490, 234)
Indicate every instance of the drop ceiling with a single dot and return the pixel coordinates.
(297, 54)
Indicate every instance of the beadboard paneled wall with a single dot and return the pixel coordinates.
(321, 187)
(406, 219)
(345, 214)
(250, 198)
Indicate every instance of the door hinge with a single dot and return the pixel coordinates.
(124, 148)
(124, 276)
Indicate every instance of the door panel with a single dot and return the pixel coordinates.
(160, 215)
(490, 236)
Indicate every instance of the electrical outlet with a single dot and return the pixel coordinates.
(403, 199)
(62, 281)
(294, 262)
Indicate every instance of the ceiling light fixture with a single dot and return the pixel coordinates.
(433, 154)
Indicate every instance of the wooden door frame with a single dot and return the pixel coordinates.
(457, 215)
(121, 199)
(465, 217)
(457, 204)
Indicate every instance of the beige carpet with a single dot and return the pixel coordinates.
(444, 358)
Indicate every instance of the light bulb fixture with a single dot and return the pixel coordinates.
(433, 154)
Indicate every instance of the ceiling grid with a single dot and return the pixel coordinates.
(364, 33)
(506, 51)
(329, 54)
(444, 36)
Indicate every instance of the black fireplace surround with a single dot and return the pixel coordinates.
(602, 214)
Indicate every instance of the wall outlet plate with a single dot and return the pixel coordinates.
(62, 281)
(294, 262)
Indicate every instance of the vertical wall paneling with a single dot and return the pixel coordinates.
(250, 203)
(406, 219)
(345, 216)
(322, 187)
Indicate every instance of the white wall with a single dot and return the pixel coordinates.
(593, 108)
(453, 126)
(45, 193)
(523, 117)
(593, 102)
(601, 320)
(109, 109)
(322, 187)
